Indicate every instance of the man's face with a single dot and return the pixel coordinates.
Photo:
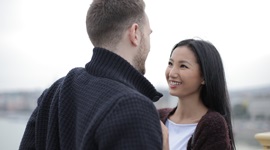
(144, 48)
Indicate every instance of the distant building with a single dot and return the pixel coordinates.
(18, 101)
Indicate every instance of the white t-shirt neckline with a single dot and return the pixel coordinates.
(179, 134)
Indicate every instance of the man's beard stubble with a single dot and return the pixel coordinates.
(140, 58)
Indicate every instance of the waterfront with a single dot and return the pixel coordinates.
(11, 133)
(12, 129)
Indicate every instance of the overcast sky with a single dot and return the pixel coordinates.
(40, 41)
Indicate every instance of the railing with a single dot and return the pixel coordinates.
(264, 139)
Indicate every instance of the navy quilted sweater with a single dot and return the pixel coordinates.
(108, 105)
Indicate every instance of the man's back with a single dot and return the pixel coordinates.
(104, 106)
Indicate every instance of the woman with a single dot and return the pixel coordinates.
(202, 118)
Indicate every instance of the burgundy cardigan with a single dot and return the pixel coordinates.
(211, 132)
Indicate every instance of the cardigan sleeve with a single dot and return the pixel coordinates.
(212, 133)
(132, 124)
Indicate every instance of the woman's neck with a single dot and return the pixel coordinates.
(188, 111)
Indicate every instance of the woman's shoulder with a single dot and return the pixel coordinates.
(164, 113)
(165, 110)
(213, 117)
(213, 121)
(212, 132)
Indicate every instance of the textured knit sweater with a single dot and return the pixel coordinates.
(211, 132)
(108, 105)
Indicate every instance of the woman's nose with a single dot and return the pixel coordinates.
(173, 73)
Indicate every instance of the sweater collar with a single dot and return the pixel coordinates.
(107, 64)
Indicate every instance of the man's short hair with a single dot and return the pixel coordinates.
(107, 19)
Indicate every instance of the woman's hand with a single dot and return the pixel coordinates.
(165, 136)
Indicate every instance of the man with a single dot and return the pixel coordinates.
(108, 104)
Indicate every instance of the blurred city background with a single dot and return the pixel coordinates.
(40, 41)
(250, 110)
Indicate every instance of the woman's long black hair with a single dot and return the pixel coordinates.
(214, 93)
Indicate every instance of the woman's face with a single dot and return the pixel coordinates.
(183, 73)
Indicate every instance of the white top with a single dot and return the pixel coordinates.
(179, 134)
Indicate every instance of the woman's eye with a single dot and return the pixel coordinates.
(170, 63)
(183, 66)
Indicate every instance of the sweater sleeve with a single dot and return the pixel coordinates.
(212, 133)
(28, 139)
(131, 124)
(33, 137)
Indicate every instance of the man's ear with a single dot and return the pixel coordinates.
(134, 34)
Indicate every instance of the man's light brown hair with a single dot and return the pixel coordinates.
(107, 20)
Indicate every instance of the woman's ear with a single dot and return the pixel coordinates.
(203, 82)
